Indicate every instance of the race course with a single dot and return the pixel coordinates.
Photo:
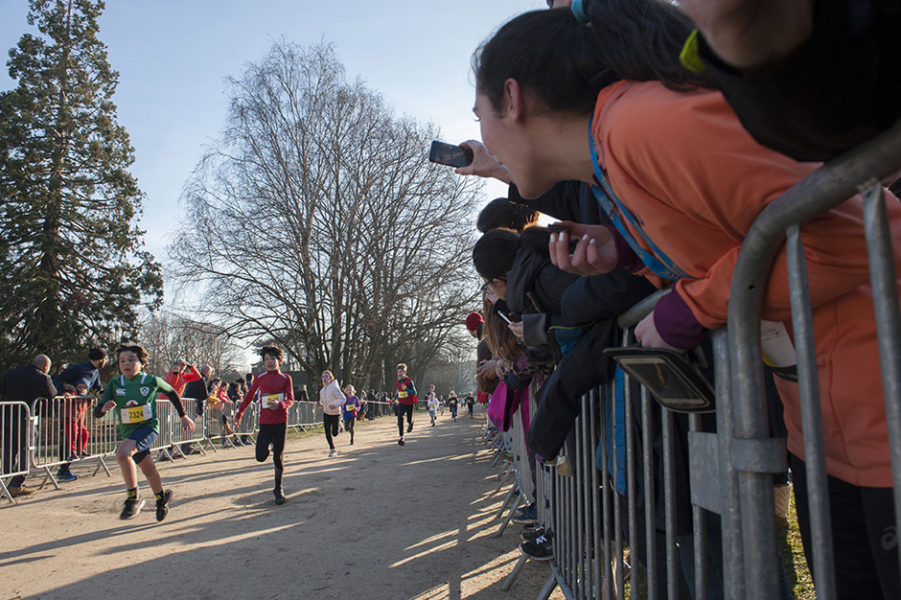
(378, 522)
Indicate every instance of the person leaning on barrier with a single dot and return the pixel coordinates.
(83, 372)
(689, 182)
(773, 62)
(23, 384)
(198, 389)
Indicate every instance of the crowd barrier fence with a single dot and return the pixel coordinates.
(629, 485)
(43, 436)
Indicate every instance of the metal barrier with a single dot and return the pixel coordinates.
(16, 424)
(631, 483)
(66, 432)
(304, 416)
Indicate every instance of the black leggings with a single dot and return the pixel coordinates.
(864, 539)
(273, 433)
(349, 427)
(331, 428)
(404, 409)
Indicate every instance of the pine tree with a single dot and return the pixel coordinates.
(72, 269)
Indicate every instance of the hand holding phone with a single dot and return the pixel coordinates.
(450, 155)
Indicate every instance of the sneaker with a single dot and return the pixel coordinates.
(532, 534)
(237, 442)
(66, 475)
(400, 442)
(541, 548)
(279, 496)
(333, 452)
(84, 454)
(163, 458)
(162, 505)
(409, 427)
(132, 507)
(527, 515)
(72, 458)
(21, 490)
(564, 467)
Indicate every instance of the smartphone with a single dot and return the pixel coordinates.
(450, 155)
(558, 228)
(504, 317)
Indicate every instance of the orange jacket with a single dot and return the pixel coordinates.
(696, 180)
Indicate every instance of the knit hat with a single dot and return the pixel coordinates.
(474, 320)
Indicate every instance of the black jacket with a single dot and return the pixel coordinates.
(26, 384)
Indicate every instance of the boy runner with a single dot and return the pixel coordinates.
(276, 395)
(133, 395)
(406, 401)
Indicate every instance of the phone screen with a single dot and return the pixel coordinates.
(450, 155)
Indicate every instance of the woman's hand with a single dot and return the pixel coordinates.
(646, 333)
(487, 369)
(108, 406)
(516, 328)
(594, 254)
(483, 164)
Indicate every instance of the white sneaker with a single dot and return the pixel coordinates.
(333, 453)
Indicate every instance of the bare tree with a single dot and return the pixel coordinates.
(169, 338)
(317, 222)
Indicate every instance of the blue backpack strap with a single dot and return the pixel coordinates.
(656, 261)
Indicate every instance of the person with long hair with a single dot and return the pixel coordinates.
(597, 95)
(331, 399)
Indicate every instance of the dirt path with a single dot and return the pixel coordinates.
(378, 522)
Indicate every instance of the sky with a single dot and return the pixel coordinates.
(173, 58)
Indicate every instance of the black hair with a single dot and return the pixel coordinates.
(96, 354)
(566, 64)
(495, 252)
(272, 350)
(500, 213)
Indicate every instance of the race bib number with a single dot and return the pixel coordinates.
(272, 400)
(402, 394)
(136, 414)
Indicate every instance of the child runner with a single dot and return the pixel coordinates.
(276, 393)
(331, 400)
(452, 404)
(406, 401)
(133, 395)
(432, 404)
(351, 409)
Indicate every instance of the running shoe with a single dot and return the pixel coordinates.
(333, 452)
(532, 534)
(162, 505)
(541, 548)
(409, 427)
(66, 475)
(400, 442)
(132, 507)
(279, 496)
(527, 515)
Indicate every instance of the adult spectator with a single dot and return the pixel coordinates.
(83, 372)
(180, 375)
(768, 57)
(24, 384)
(199, 391)
(371, 405)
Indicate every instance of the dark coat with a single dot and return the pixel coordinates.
(26, 384)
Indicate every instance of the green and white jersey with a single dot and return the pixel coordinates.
(135, 401)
